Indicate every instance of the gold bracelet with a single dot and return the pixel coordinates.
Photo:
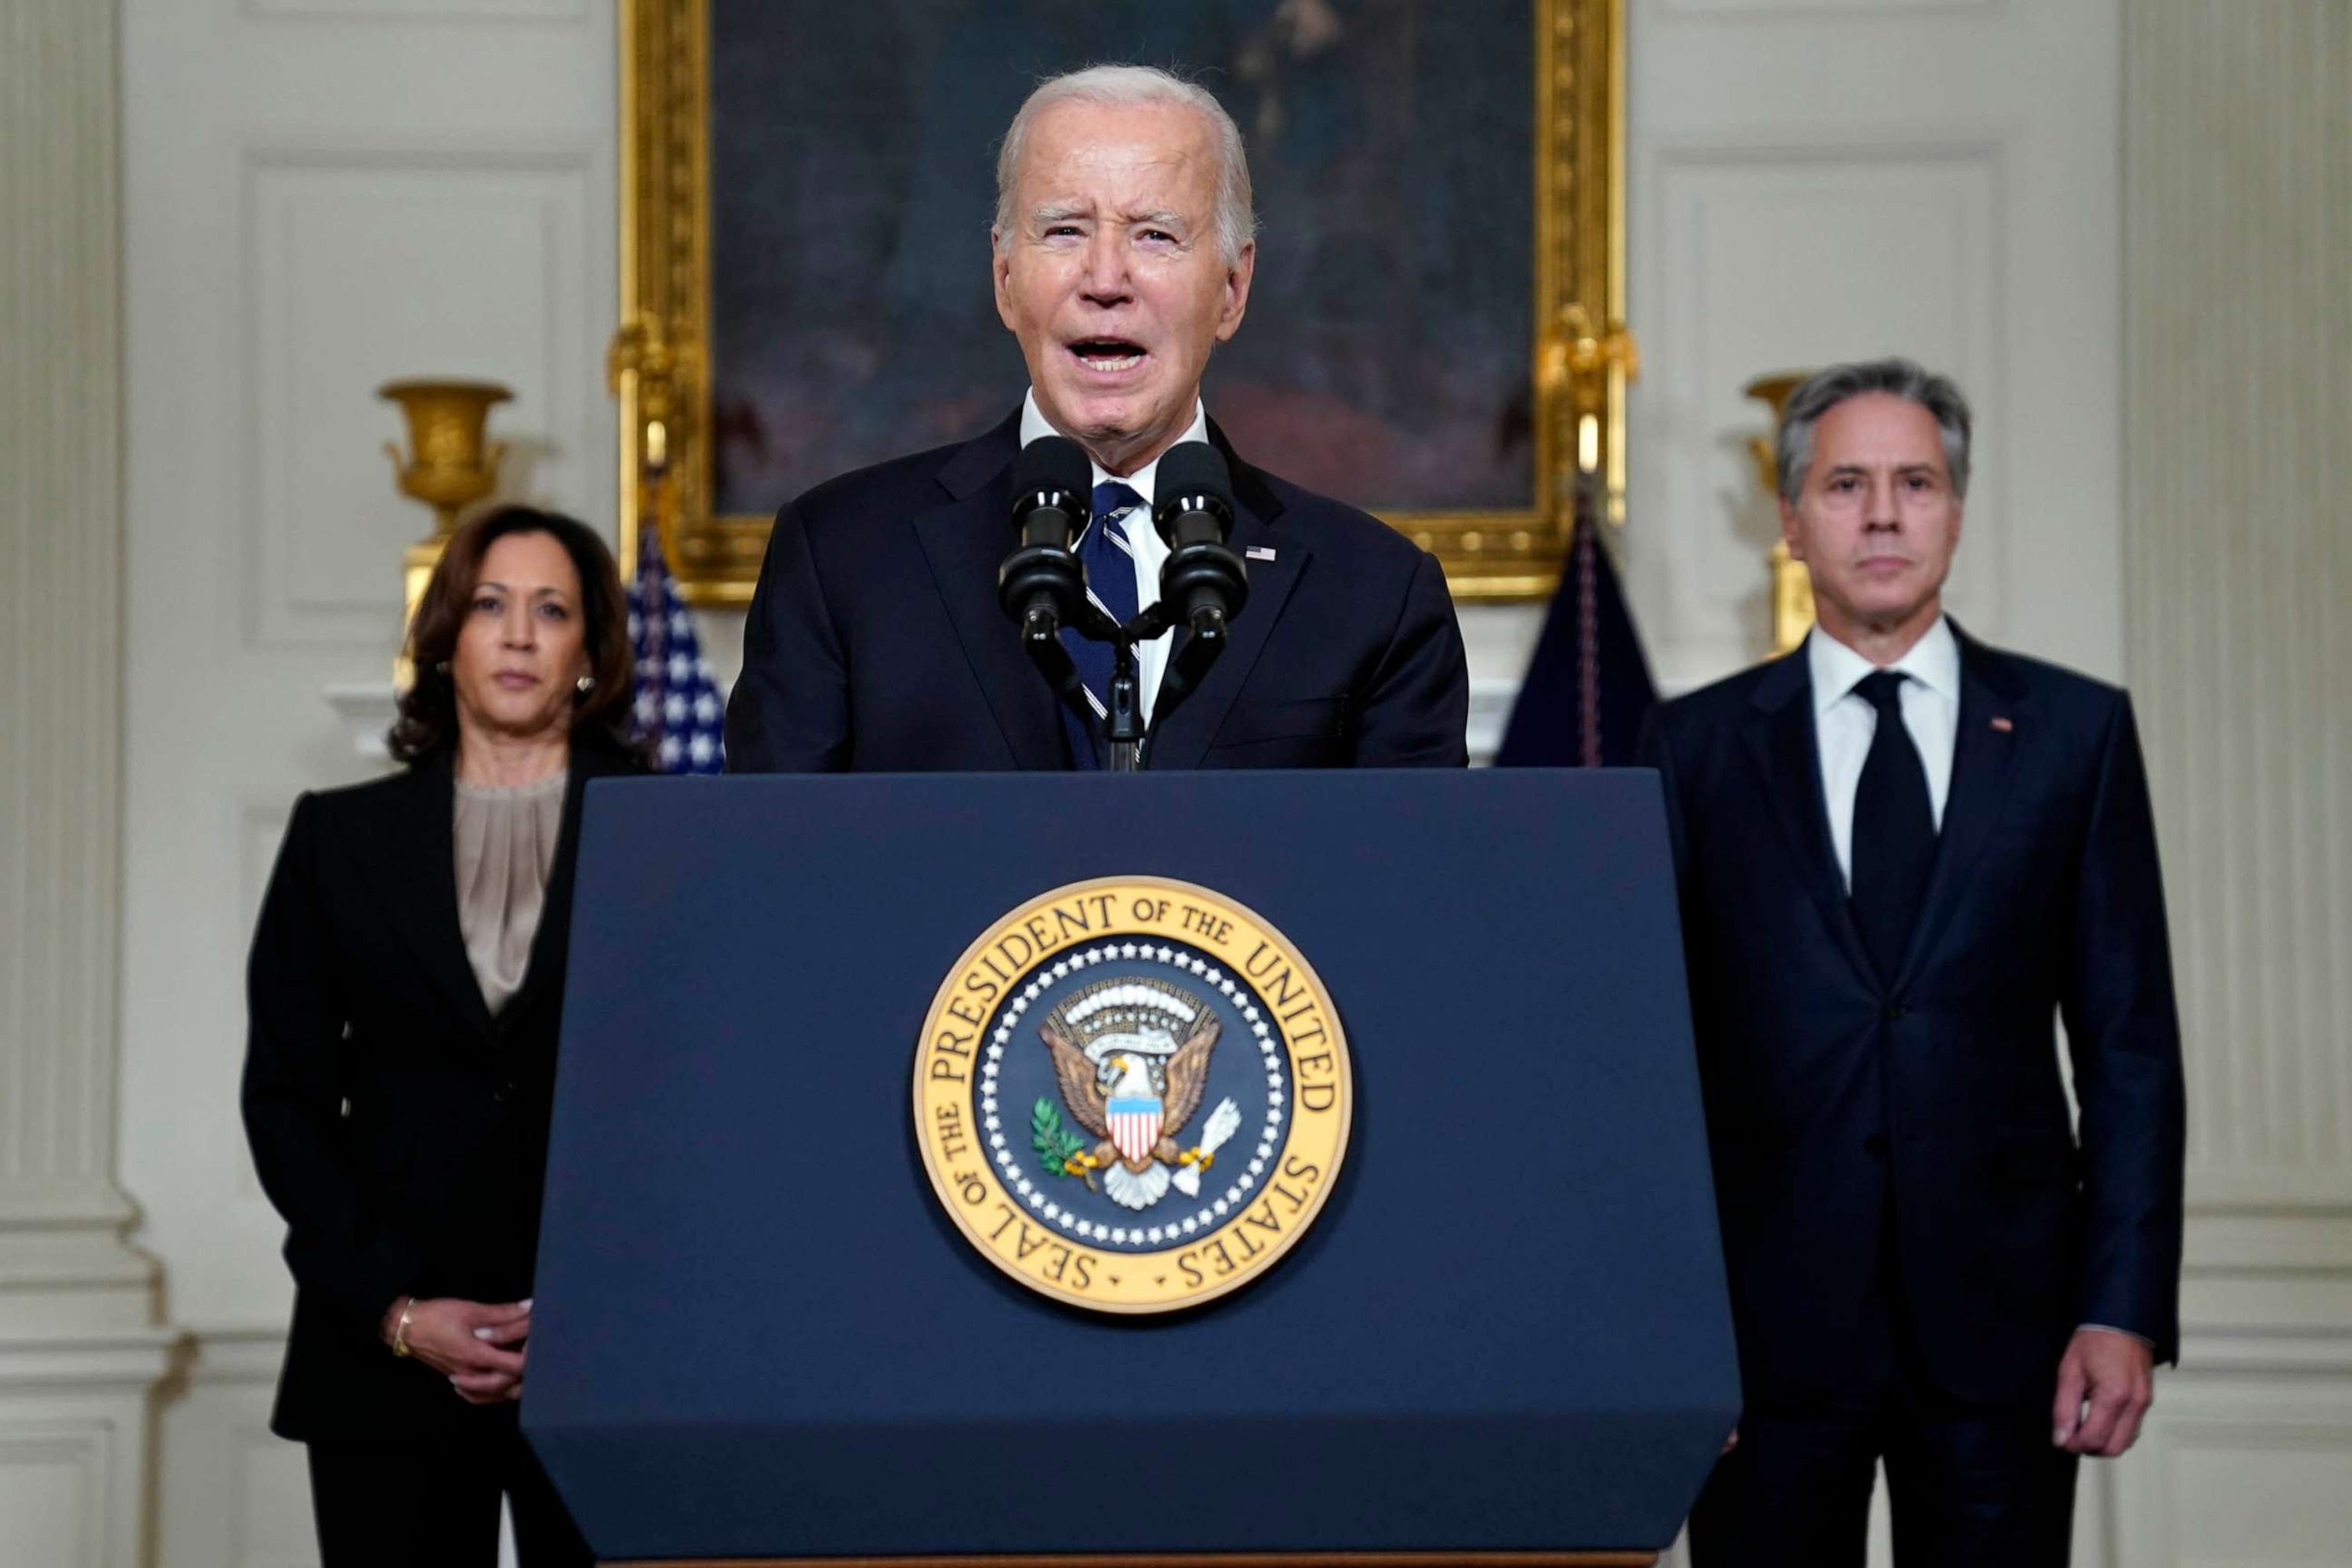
(400, 1330)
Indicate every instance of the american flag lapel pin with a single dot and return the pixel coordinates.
(2004, 725)
(1259, 552)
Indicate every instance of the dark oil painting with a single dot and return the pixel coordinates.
(1385, 356)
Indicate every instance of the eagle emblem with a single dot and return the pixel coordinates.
(1131, 1057)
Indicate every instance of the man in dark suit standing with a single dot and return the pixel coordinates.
(1124, 247)
(1904, 853)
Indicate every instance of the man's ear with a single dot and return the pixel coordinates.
(1236, 303)
(1789, 530)
(999, 269)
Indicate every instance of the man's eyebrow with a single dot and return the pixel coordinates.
(1057, 214)
(1160, 219)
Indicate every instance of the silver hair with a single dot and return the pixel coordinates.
(1792, 449)
(1129, 87)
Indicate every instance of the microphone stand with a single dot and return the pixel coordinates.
(1124, 727)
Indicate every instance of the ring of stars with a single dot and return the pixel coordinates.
(1145, 1232)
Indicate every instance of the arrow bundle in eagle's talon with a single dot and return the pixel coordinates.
(1222, 1123)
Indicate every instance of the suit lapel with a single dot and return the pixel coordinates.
(1184, 740)
(414, 867)
(1779, 740)
(965, 541)
(1981, 776)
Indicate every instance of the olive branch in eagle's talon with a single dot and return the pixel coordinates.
(1064, 1152)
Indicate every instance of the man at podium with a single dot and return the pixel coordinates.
(1123, 251)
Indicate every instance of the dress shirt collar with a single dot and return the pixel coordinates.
(1934, 661)
(1033, 425)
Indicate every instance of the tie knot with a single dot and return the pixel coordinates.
(1111, 497)
(1882, 689)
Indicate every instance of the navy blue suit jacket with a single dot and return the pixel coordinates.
(1831, 1094)
(875, 641)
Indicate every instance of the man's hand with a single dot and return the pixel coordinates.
(478, 1346)
(2106, 1381)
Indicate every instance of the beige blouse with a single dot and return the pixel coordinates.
(506, 842)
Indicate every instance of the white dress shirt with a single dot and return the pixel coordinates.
(1150, 551)
(1844, 721)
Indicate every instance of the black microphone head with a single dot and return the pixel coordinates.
(1190, 472)
(1050, 464)
(1041, 583)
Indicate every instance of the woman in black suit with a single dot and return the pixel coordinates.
(404, 988)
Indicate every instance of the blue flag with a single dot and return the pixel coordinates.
(677, 715)
(1588, 687)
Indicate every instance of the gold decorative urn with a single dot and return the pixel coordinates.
(451, 464)
(1792, 587)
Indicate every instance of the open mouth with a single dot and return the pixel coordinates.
(1108, 356)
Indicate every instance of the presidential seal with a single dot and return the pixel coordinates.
(1132, 1095)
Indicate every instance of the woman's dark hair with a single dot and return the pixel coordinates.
(429, 708)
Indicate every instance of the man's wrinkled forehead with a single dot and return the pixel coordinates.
(1076, 149)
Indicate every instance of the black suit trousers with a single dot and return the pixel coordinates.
(1968, 1485)
(436, 1500)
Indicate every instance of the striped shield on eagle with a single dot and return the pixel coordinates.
(1135, 1125)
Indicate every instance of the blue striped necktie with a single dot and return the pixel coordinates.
(1110, 560)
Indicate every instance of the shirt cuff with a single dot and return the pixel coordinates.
(2109, 1329)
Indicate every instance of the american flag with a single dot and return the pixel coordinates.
(678, 710)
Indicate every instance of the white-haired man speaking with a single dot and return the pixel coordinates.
(1123, 248)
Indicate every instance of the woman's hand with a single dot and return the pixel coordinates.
(478, 1346)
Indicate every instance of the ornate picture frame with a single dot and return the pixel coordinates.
(1579, 356)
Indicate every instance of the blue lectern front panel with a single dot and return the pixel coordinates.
(756, 1332)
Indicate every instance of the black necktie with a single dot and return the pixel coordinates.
(1894, 830)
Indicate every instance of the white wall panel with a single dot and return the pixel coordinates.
(444, 11)
(2239, 182)
(1809, 182)
(363, 267)
(51, 1485)
(2235, 1471)
(232, 1495)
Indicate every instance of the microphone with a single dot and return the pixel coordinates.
(1041, 583)
(1204, 581)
